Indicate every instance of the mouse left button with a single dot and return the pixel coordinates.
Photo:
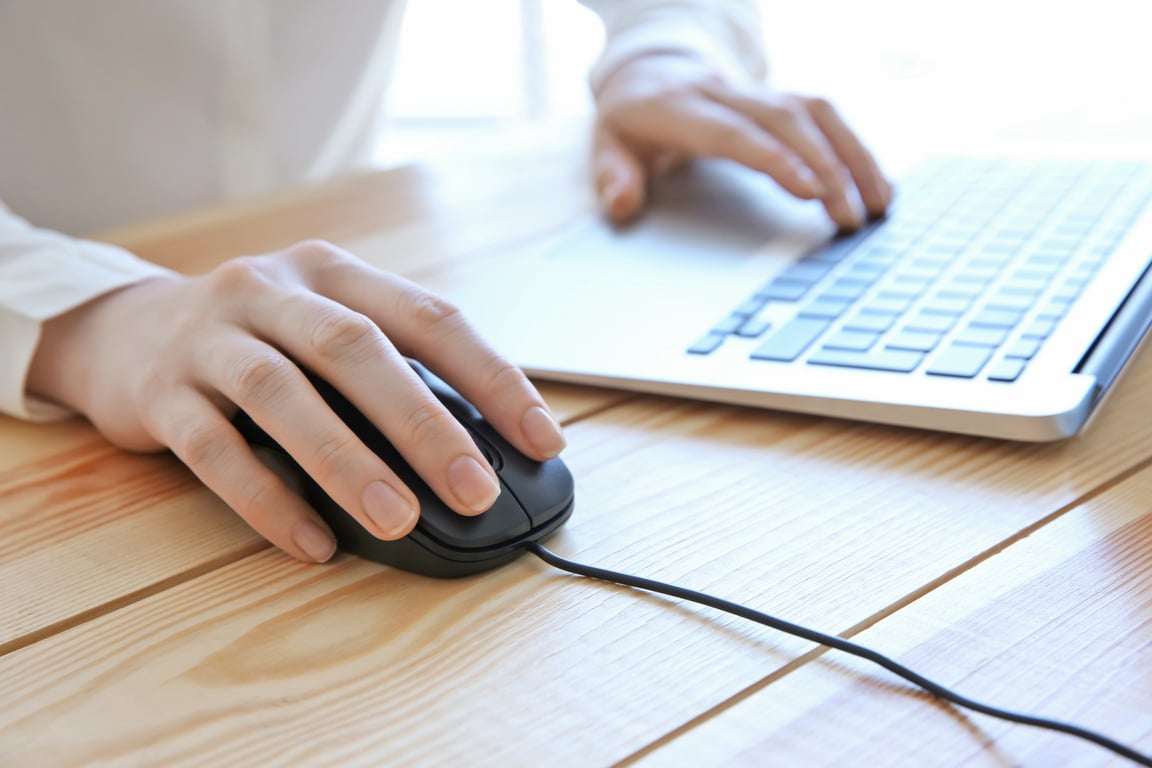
(282, 466)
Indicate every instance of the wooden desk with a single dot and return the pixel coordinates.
(143, 624)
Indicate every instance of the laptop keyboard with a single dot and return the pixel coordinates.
(969, 274)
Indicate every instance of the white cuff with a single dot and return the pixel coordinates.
(42, 275)
(725, 35)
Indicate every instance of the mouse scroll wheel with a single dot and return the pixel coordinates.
(491, 455)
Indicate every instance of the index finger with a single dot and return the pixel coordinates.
(875, 189)
(426, 327)
(351, 353)
(789, 122)
(707, 128)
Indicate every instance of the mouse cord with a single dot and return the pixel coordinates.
(832, 641)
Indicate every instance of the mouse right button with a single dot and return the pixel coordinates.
(504, 521)
(544, 489)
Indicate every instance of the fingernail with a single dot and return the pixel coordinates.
(609, 193)
(387, 509)
(884, 190)
(543, 432)
(472, 484)
(848, 216)
(810, 183)
(317, 543)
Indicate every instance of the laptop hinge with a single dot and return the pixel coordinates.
(1121, 336)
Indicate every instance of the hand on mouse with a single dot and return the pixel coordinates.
(656, 110)
(167, 362)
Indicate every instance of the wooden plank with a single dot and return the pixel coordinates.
(823, 522)
(88, 527)
(1058, 625)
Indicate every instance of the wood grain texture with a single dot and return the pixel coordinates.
(88, 527)
(1058, 625)
(833, 524)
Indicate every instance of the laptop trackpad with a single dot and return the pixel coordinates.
(713, 232)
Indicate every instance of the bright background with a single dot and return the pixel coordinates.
(472, 74)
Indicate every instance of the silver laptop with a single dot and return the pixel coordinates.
(1000, 297)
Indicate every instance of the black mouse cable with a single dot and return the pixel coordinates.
(838, 643)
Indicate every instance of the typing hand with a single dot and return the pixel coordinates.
(657, 110)
(167, 362)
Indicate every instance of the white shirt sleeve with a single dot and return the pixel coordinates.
(44, 274)
(727, 34)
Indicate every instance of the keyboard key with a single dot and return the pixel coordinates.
(1083, 268)
(948, 250)
(892, 305)
(1039, 329)
(982, 337)
(791, 339)
(911, 281)
(897, 360)
(1054, 309)
(750, 307)
(985, 258)
(1029, 288)
(960, 361)
(930, 323)
(854, 340)
(971, 273)
(947, 306)
(1067, 293)
(728, 324)
(1002, 247)
(929, 263)
(972, 278)
(829, 308)
(804, 271)
(784, 290)
(1038, 274)
(1006, 302)
(902, 294)
(753, 328)
(845, 289)
(870, 321)
(966, 292)
(866, 269)
(1016, 234)
(1048, 258)
(1071, 229)
(838, 249)
(1007, 369)
(707, 344)
(917, 341)
(995, 318)
(1025, 349)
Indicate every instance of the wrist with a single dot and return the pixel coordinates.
(74, 346)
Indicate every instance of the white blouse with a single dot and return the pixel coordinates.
(120, 110)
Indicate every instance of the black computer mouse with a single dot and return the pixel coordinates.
(536, 497)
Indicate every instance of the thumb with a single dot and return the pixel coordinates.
(619, 176)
